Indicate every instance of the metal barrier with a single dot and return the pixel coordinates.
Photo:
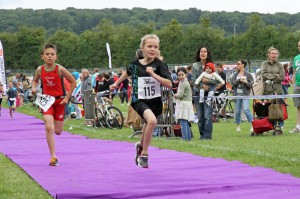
(89, 107)
(166, 120)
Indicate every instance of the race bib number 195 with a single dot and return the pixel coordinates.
(148, 88)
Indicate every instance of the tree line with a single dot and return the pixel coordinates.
(80, 20)
(179, 41)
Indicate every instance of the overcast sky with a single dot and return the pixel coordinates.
(261, 6)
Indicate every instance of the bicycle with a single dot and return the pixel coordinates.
(106, 114)
(221, 106)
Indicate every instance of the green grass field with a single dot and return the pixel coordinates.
(280, 152)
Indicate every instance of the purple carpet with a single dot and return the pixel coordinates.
(92, 168)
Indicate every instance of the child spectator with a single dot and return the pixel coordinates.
(184, 111)
(209, 73)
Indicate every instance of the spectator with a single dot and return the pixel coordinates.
(272, 70)
(115, 78)
(26, 88)
(291, 70)
(184, 111)
(95, 77)
(220, 71)
(109, 81)
(296, 82)
(241, 84)
(86, 83)
(204, 111)
(286, 82)
(210, 74)
(15, 80)
(100, 83)
(221, 89)
(272, 73)
(174, 75)
(189, 73)
(76, 95)
(123, 91)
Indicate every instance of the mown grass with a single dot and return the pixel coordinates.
(16, 184)
(280, 152)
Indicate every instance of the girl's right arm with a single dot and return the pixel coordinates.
(121, 79)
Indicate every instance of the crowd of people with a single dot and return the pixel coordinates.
(139, 86)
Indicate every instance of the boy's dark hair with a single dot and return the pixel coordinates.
(46, 46)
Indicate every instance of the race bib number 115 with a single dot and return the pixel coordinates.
(148, 88)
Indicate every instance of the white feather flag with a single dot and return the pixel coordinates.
(2, 68)
(109, 55)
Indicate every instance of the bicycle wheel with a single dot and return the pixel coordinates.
(114, 118)
(100, 122)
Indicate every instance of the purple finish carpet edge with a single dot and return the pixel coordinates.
(91, 168)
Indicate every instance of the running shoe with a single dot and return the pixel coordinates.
(142, 161)
(53, 162)
(138, 149)
(295, 130)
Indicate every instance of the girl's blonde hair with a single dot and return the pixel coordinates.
(148, 36)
